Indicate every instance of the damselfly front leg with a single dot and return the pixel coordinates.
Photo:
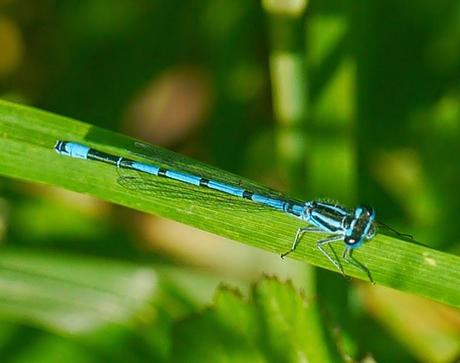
(334, 261)
(298, 237)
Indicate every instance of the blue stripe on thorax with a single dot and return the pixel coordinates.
(327, 223)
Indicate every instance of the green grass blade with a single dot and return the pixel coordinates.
(27, 137)
(94, 301)
(74, 295)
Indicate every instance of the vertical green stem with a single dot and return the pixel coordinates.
(290, 106)
(289, 86)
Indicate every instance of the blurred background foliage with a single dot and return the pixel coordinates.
(357, 101)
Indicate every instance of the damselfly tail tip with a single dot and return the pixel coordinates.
(58, 147)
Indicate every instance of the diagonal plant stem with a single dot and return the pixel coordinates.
(27, 137)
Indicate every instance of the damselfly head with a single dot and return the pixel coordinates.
(361, 228)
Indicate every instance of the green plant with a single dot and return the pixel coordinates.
(28, 137)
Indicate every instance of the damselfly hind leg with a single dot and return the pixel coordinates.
(347, 256)
(334, 261)
(298, 237)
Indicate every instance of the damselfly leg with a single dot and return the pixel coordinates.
(298, 237)
(334, 261)
(348, 256)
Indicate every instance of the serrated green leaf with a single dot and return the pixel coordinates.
(277, 324)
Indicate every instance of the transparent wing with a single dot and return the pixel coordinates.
(151, 184)
(139, 182)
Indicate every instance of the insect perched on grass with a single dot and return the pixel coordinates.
(351, 226)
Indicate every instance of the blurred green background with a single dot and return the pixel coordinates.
(357, 101)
